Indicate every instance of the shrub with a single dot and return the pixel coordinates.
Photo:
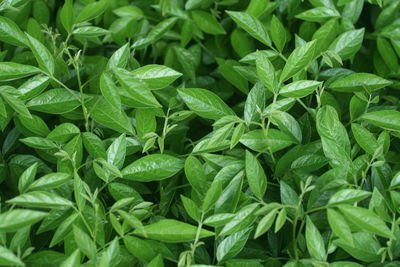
(213, 133)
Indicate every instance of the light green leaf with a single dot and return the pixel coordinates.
(266, 72)
(8, 258)
(386, 119)
(366, 219)
(170, 230)
(156, 76)
(255, 175)
(298, 60)
(40, 199)
(251, 25)
(348, 43)
(359, 82)
(207, 22)
(232, 245)
(49, 181)
(12, 71)
(153, 168)
(315, 242)
(14, 220)
(339, 226)
(91, 11)
(299, 89)
(55, 101)
(43, 56)
(11, 33)
(205, 103)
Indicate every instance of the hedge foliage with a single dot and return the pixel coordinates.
(238, 133)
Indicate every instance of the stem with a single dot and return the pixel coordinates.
(196, 240)
(82, 98)
(265, 130)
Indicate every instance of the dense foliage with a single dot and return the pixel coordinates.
(238, 133)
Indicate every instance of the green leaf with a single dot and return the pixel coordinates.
(27, 177)
(348, 196)
(89, 31)
(11, 33)
(207, 22)
(8, 258)
(366, 220)
(335, 140)
(365, 139)
(119, 58)
(232, 245)
(278, 33)
(365, 247)
(39, 143)
(348, 43)
(73, 260)
(280, 221)
(106, 114)
(49, 181)
(318, 14)
(156, 76)
(94, 146)
(243, 219)
(170, 230)
(137, 89)
(63, 133)
(12, 71)
(258, 141)
(16, 104)
(195, 174)
(299, 89)
(251, 25)
(84, 243)
(298, 60)
(287, 124)
(254, 102)
(266, 72)
(387, 53)
(40, 199)
(191, 208)
(315, 243)
(91, 11)
(212, 195)
(13, 220)
(255, 175)
(42, 54)
(55, 101)
(205, 103)
(386, 119)
(153, 168)
(63, 229)
(67, 15)
(116, 151)
(359, 82)
(109, 90)
(339, 226)
(265, 223)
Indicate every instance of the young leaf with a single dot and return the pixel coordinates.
(152, 168)
(339, 226)
(315, 243)
(298, 60)
(255, 175)
(43, 56)
(366, 219)
(169, 230)
(205, 103)
(386, 119)
(251, 25)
